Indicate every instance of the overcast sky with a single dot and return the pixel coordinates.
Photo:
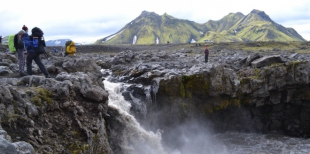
(86, 21)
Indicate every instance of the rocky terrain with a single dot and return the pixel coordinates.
(64, 114)
(241, 90)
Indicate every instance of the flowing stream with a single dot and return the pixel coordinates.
(135, 139)
(193, 139)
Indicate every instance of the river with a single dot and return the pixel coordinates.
(193, 139)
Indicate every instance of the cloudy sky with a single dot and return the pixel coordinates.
(86, 21)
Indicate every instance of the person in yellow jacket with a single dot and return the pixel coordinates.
(69, 48)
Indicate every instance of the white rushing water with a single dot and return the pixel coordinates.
(135, 140)
(191, 138)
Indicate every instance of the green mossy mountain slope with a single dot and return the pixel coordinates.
(151, 28)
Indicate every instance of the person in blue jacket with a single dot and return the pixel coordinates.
(55, 50)
(31, 55)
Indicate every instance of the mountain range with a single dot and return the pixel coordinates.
(59, 42)
(151, 28)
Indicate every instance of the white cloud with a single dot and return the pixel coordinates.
(90, 20)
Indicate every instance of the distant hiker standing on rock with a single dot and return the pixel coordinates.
(0, 39)
(206, 54)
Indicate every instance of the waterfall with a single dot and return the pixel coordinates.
(190, 137)
(147, 91)
(155, 86)
(139, 104)
(134, 138)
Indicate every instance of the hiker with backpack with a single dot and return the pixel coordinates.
(35, 45)
(69, 48)
(21, 49)
(25, 28)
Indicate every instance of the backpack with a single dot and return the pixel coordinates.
(11, 43)
(16, 41)
(37, 32)
(37, 40)
(70, 47)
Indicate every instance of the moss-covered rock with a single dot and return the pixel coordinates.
(40, 96)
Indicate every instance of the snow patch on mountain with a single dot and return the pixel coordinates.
(193, 41)
(57, 42)
(110, 37)
(134, 39)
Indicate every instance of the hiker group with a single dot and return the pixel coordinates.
(28, 48)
